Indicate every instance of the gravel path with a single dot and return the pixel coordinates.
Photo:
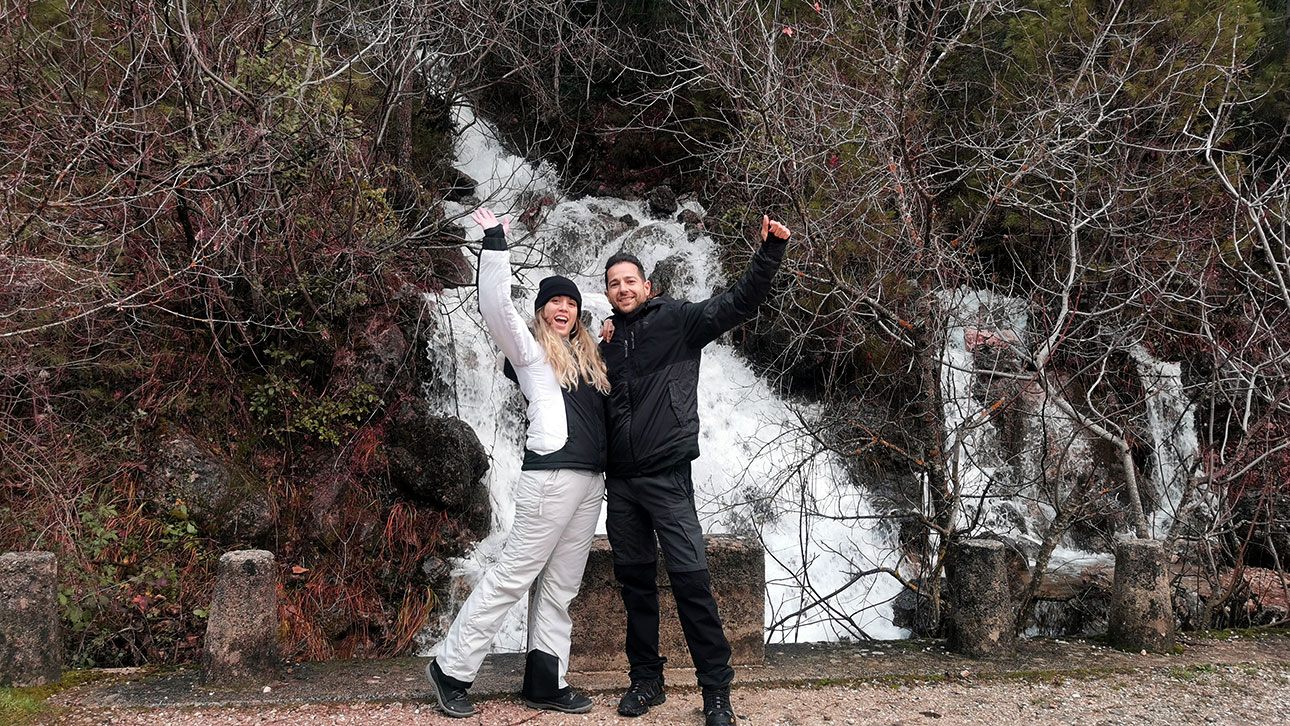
(1227, 694)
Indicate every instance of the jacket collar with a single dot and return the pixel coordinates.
(640, 312)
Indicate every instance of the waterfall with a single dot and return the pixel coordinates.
(1171, 420)
(978, 322)
(1008, 480)
(758, 474)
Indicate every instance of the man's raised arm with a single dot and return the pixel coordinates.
(706, 320)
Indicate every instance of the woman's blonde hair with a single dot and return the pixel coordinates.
(574, 359)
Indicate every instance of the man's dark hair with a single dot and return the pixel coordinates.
(618, 257)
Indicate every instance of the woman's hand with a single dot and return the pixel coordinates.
(607, 330)
(487, 220)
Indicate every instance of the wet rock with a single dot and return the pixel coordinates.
(689, 217)
(662, 201)
(673, 276)
(636, 241)
(460, 185)
(628, 221)
(981, 617)
(241, 645)
(913, 610)
(438, 462)
(194, 482)
(31, 647)
(1141, 616)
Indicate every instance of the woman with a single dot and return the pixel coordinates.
(558, 496)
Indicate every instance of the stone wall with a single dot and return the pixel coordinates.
(738, 570)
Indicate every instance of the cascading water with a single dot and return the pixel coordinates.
(978, 320)
(759, 474)
(1008, 483)
(1171, 421)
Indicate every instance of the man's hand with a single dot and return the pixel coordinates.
(607, 330)
(770, 226)
(487, 220)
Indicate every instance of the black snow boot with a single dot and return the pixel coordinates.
(717, 710)
(640, 696)
(542, 689)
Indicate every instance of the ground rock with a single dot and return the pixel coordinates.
(438, 461)
(193, 481)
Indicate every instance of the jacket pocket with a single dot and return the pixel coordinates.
(684, 400)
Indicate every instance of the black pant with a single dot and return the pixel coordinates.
(661, 506)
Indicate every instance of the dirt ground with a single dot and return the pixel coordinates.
(1249, 693)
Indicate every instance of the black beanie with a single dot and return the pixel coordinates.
(553, 286)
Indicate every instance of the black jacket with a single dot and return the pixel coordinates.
(653, 362)
(584, 410)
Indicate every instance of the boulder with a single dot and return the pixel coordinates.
(195, 482)
(913, 610)
(438, 461)
(376, 354)
(328, 483)
(672, 276)
(662, 201)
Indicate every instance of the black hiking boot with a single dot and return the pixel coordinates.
(450, 692)
(717, 710)
(640, 696)
(566, 700)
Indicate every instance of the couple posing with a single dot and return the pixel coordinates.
(622, 418)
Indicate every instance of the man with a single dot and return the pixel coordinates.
(653, 357)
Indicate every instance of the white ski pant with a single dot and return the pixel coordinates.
(555, 519)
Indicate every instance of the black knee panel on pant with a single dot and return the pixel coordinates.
(701, 623)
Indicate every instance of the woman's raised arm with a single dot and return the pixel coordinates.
(504, 322)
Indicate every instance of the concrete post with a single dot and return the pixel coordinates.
(31, 647)
(981, 617)
(242, 629)
(1142, 615)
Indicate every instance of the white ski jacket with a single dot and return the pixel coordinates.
(566, 428)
